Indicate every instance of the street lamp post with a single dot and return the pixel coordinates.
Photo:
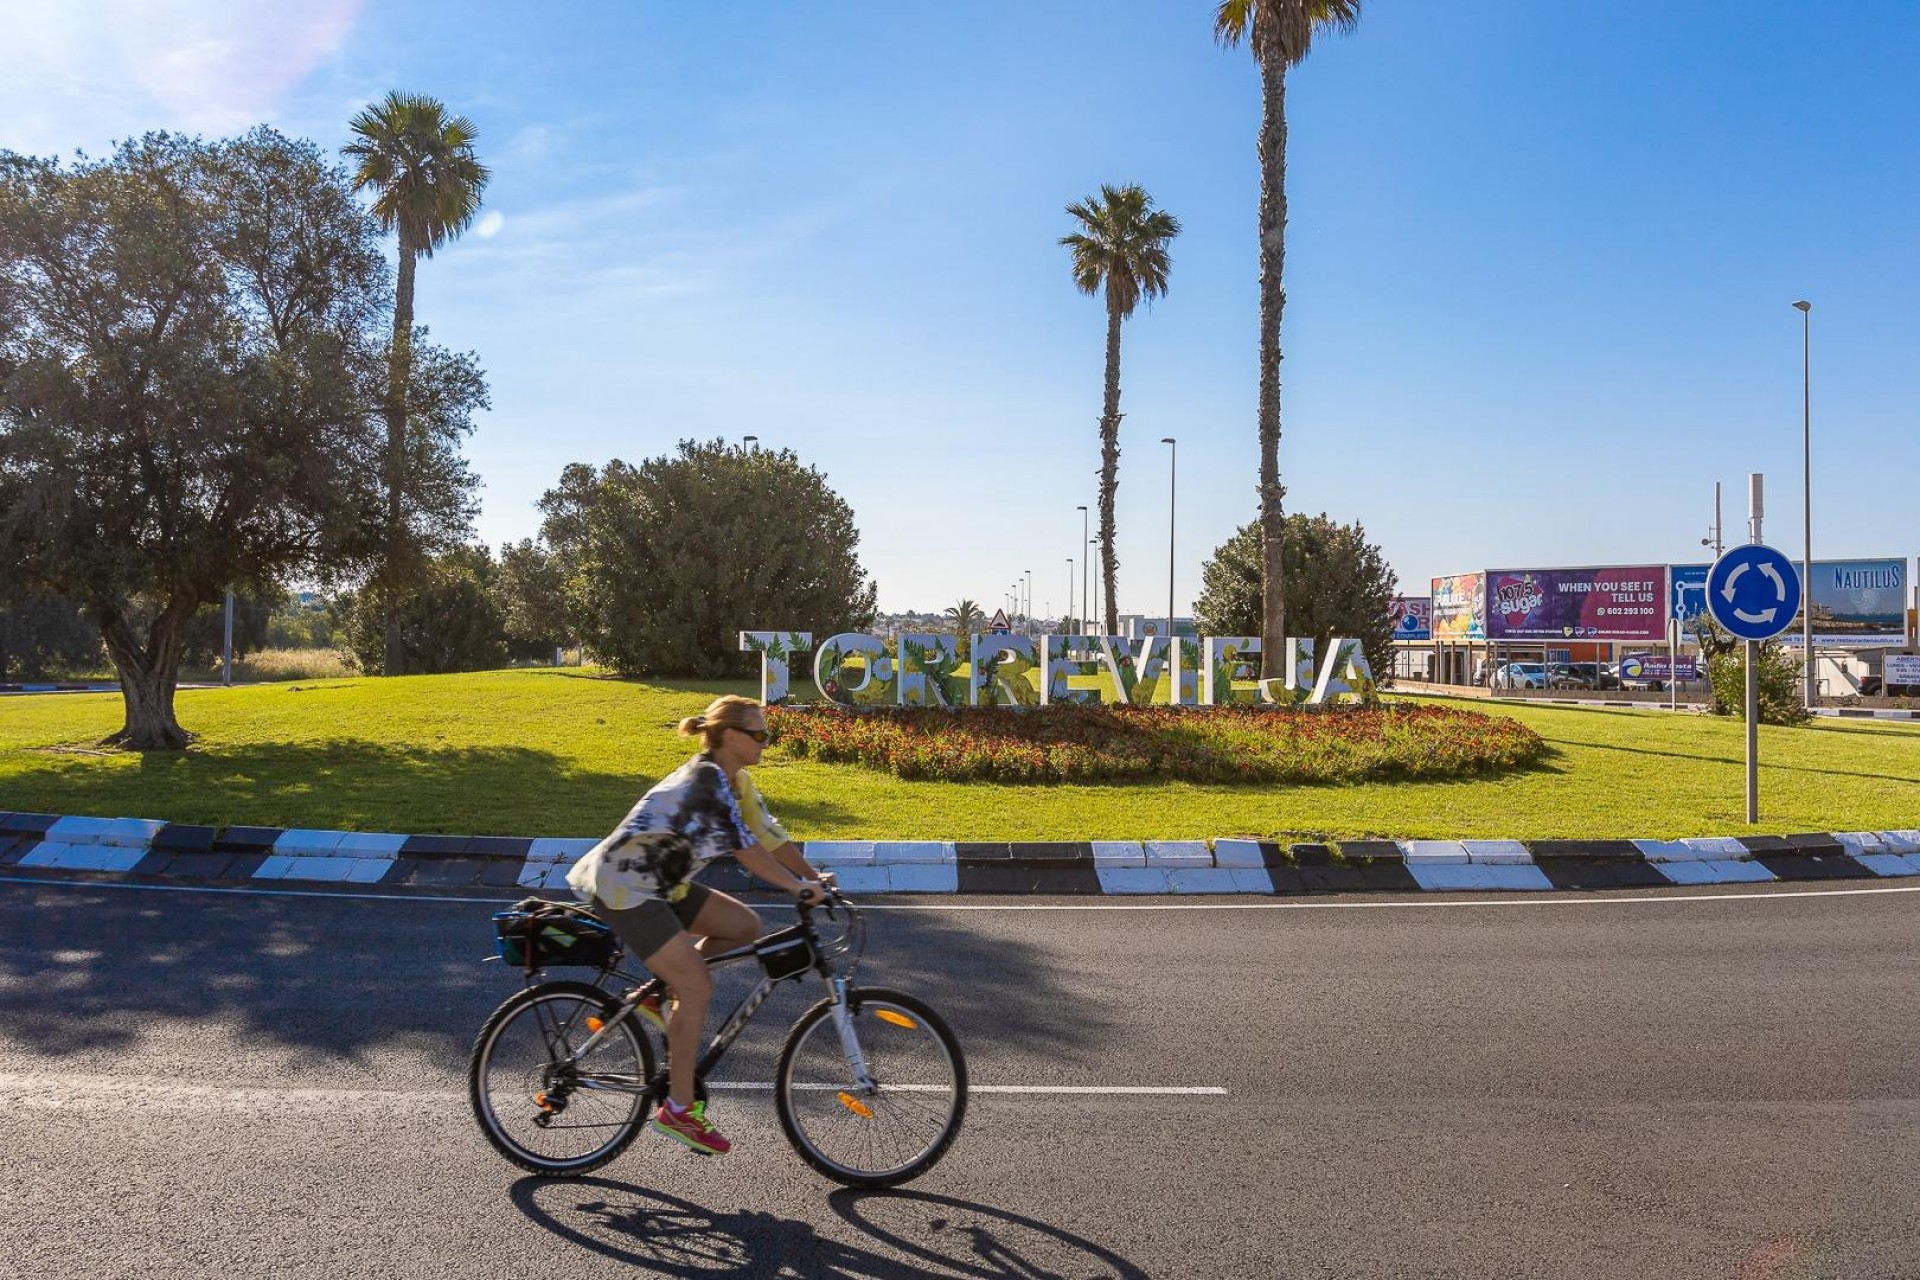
(1806, 491)
(1029, 626)
(1086, 563)
(747, 440)
(1173, 469)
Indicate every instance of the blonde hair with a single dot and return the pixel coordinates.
(730, 711)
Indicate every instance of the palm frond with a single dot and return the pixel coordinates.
(1121, 246)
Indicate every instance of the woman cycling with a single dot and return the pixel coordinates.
(640, 881)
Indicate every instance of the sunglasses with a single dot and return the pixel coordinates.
(758, 735)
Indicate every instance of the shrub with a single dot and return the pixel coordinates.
(1214, 744)
(1781, 699)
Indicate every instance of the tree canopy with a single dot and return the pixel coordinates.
(192, 363)
(1341, 585)
(664, 564)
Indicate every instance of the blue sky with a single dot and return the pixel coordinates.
(1541, 257)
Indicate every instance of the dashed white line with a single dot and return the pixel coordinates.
(1209, 1090)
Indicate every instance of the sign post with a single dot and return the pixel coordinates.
(1753, 592)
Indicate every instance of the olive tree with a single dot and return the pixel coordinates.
(192, 366)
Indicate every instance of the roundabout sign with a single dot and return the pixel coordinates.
(1753, 591)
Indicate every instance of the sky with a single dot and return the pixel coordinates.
(1541, 258)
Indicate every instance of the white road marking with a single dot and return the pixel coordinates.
(1568, 898)
(60, 1092)
(1210, 1090)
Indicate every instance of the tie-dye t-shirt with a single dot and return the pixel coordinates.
(688, 818)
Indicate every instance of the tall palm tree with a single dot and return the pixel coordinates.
(1281, 33)
(1122, 247)
(965, 617)
(427, 184)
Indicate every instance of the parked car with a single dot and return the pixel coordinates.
(1582, 675)
(1520, 675)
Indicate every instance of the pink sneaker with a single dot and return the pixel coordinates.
(691, 1127)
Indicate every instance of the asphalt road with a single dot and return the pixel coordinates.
(1675, 1085)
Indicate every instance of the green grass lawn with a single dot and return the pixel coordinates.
(564, 753)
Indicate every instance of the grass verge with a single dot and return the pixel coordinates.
(565, 752)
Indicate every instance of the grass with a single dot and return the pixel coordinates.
(566, 752)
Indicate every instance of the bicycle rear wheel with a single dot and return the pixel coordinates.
(540, 1107)
(894, 1132)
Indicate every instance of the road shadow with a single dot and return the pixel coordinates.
(88, 969)
(921, 1235)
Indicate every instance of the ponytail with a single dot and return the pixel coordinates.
(729, 712)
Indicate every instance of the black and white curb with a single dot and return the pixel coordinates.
(137, 847)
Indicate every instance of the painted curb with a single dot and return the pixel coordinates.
(36, 842)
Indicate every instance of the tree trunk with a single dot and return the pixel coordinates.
(1273, 300)
(399, 367)
(148, 675)
(1110, 463)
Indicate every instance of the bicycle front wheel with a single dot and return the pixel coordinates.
(541, 1103)
(892, 1132)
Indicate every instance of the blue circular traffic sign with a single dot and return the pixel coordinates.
(1754, 592)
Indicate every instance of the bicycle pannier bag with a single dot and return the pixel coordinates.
(537, 934)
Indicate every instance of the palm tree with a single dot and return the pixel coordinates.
(1281, 32)
(965, 616)
(1121, 246)
(427, 184)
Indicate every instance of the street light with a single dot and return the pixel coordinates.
(1806, 489)
(1029, 627)
(1086, 563)
(1713, 536)
(1173, 465)
(747, 440)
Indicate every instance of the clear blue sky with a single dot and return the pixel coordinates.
(1541, 256)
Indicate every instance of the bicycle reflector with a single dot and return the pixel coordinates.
(594, 1024)
(897, 1019)
(856, 1106)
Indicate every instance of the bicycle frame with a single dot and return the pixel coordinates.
(743, 1013)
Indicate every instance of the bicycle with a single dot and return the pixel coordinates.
(870, 1086)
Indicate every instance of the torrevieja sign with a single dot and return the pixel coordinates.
(923, 670)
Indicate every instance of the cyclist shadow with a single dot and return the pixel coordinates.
(930, 1235)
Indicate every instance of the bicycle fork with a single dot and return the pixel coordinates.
(849, 1040)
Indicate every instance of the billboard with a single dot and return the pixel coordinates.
(1658, 666)
(1459, 607)
(1616, 602)
(1413, 617)
(1858, 603)
(1689, 590)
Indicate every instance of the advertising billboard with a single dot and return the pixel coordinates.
(1616, 602)
(1657, 666)
(1689, 589)
(1857, 603)
(1459, 607)
(1413, 617)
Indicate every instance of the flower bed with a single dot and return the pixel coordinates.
(1110, 744)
